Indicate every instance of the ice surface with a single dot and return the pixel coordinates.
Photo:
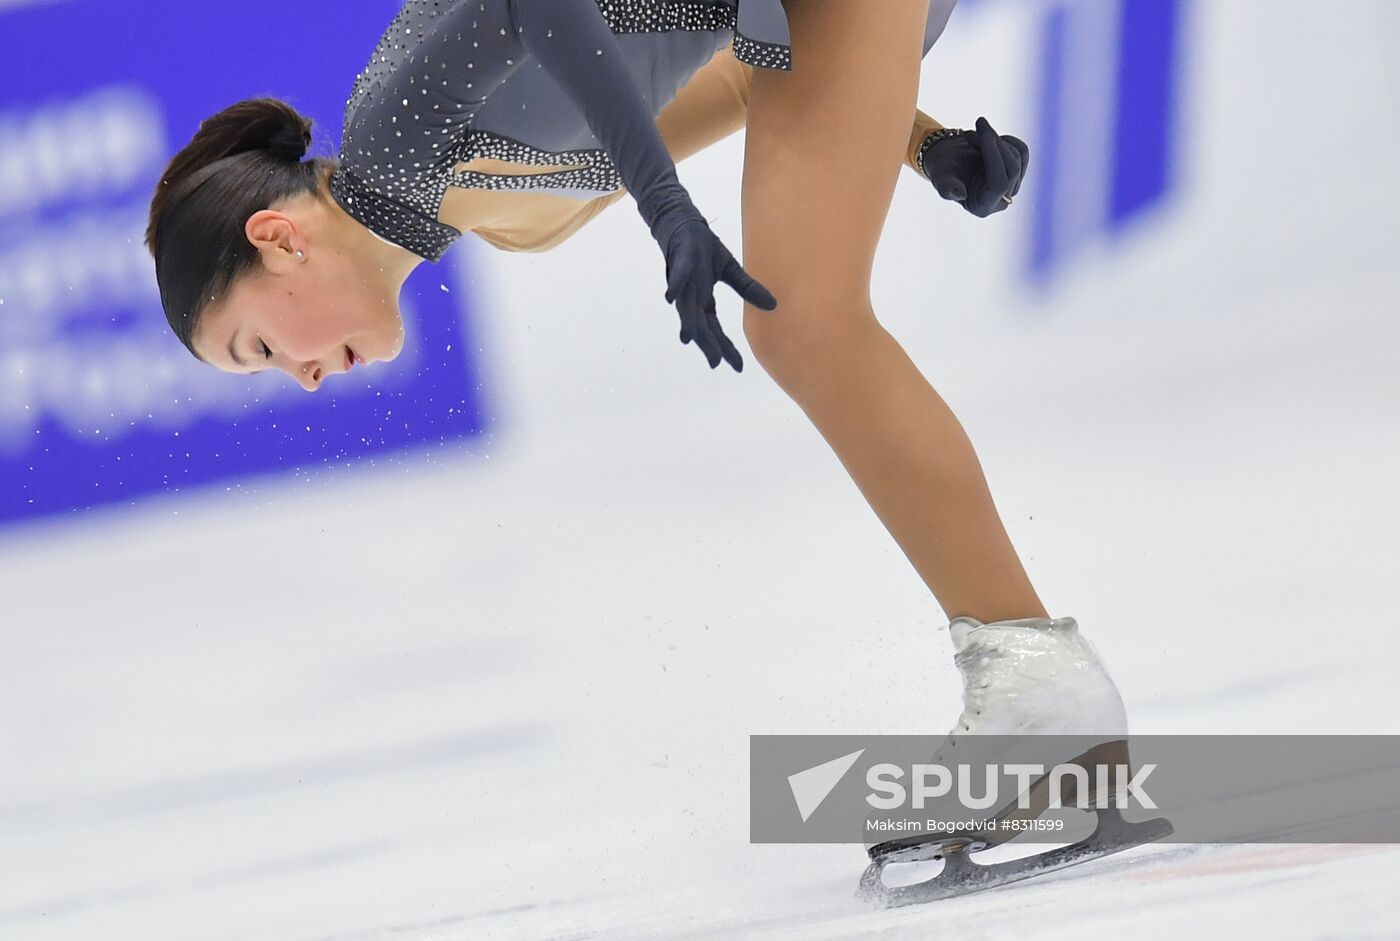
(511, 698)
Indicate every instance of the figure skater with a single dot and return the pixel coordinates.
(520, 120)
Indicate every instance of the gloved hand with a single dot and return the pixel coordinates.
(980, 169)
(695, 261)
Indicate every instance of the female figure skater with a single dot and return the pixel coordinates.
(520, 120)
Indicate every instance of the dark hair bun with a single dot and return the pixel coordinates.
(266, 124)
(289, 142)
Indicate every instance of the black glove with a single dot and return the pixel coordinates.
(574, 44)
(980, 169)
(695, 261)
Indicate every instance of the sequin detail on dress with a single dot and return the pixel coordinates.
(596, 173)
(408, 227)
(645, 16)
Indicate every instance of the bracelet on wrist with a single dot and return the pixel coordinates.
(932, 138)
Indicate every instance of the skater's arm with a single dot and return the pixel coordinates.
(572, 41)
(574, 44)
(710, 106)
(923, 127)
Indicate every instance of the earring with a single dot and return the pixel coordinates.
(300, 254)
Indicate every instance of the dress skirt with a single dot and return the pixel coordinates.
(760, 27)
(761, 35)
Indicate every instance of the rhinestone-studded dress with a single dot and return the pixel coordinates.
(449, 81)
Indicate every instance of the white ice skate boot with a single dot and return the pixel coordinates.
(1033, 675)
(1034, 692)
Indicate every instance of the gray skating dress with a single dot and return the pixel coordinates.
(450, 81)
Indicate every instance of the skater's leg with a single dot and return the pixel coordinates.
(824, 146)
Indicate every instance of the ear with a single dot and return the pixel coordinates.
(277, 238)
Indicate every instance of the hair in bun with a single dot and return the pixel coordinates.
(288, 134)
(243, 159)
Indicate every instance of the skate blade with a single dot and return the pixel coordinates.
(961, 875)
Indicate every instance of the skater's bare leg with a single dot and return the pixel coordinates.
(824, 146)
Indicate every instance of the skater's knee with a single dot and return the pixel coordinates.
(808, 329)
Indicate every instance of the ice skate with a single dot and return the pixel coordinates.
(1033, 690)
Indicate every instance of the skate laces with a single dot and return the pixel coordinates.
(978, 668)
(997, 665)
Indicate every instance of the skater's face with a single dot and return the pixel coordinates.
(305, 314)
